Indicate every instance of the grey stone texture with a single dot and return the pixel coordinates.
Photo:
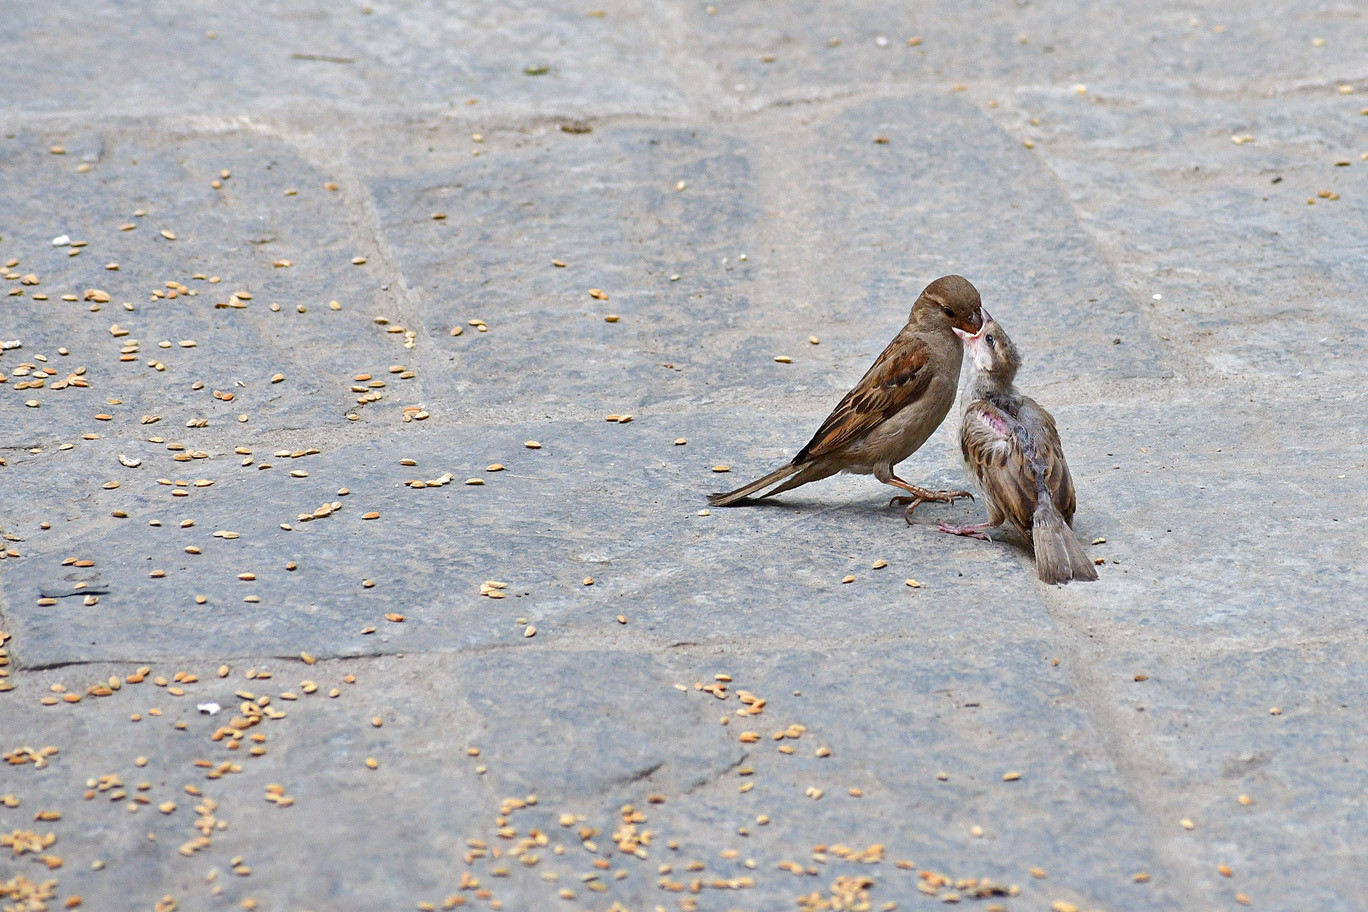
(1163, 203)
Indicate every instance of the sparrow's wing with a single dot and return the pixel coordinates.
(1039, 428)
(993, 451)
(898, 378)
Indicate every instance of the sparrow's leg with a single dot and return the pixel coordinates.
(973, 531)
(920, 496)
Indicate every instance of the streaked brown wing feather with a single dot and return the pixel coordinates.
(1040, 425)
(897, 379)
(994, 456)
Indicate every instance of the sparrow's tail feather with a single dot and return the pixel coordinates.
(812, 471)
(1058, 555)
(734, 498)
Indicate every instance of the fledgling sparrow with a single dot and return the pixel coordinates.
(1012, 450)
(894, 408)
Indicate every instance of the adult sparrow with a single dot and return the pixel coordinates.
(1012, 450)
(896, 405)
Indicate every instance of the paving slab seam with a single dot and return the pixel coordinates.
(573, 641)
(349, 122)
(360, 203)
(1134, 765)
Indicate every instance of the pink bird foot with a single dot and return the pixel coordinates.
(972, 531)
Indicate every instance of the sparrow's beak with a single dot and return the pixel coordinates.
(972, 329)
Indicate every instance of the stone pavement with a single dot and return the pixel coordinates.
(1165, 205)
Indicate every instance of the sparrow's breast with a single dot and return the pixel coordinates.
(904, 432)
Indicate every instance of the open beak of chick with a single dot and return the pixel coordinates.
(972, 330)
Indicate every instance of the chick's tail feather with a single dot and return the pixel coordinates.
(1058, 555)
(739, 496)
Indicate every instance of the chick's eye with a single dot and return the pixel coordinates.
(990, 339)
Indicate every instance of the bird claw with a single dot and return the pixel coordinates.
(925, 497)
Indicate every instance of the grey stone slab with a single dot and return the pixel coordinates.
(1280, 726)
(1160, 495)
(236, 234)
(570, 510)
(644, 743)
(296, 58)
(1221, 232)
(760, 53)
(619, 503)
(330, 850)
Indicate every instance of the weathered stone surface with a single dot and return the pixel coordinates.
(1162, 205)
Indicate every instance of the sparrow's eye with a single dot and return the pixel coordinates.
(989, 340)
(948, 312)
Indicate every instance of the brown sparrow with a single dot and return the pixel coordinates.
(897, 404)
(1012, 450)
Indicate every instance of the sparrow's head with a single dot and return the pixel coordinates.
(950, 302)
(991, 352)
